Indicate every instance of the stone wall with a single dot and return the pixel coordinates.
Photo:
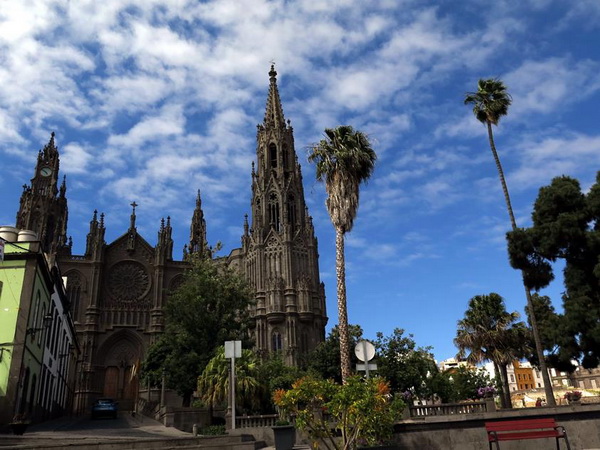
(467, 432)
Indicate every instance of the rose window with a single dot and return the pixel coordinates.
(128, 281)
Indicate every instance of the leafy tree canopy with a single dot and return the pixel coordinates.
(324, 361)
(210, 307)
(408, 368)
(566, 225)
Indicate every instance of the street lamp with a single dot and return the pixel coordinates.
(46, 322)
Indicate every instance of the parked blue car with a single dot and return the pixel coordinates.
(105, 407)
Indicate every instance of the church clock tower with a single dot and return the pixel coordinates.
(280, 248)
(43, 206)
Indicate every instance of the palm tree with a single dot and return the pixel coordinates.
(344, 160)
(489, 333)
(213, 384)
(490, 103)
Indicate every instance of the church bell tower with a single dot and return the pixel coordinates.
(280, 247)
(43, 205)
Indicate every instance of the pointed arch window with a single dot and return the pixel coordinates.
(273, 155)
(274, 217)
(74, 283)
(276, 341)
(285, 157)
(291, 210)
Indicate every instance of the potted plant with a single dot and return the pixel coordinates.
(342, 416)
(19, 423)
(573, 397)
(285, 435)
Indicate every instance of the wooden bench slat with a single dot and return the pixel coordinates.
(509, 425)
(526, 435)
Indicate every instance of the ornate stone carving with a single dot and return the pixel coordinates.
(128, 282)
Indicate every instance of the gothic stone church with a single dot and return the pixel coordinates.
(117, 290)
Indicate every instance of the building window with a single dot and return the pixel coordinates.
(291, 210)
(274, 218)
(74, 283)
(276, 343)
(273, 155)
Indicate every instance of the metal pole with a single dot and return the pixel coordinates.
(162, 389)
(364, 346)
(233, 393)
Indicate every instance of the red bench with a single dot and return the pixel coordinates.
(514, 430)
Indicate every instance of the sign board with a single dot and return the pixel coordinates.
(364, 350)
(233, 349)
(364, 367)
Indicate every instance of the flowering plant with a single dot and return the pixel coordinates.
(486, 391)
(362, 411)
(573, 395)
(20, 418)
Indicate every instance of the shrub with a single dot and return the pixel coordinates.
(363, 411)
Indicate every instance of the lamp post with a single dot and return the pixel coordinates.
(233, 349)
(46, 322)
(162, 387)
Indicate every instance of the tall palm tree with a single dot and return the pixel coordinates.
(344, 160)
(489, 333)
(490, 102)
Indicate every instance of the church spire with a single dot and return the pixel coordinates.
(132, 232)
(274, 111)
(280, 250)
(42, 209)
(198, 243)
(95, 237)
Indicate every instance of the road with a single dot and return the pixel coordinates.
(76, 431)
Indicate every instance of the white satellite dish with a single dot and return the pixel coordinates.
(364, 350)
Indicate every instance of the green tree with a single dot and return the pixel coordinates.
(344, 160)
(490, 103)
(489, 333)
(274, 374)
(325, 359)
(466, 381)
(214, 383)
(407, 367)
(174, 357)
(210, 307)
(566, 225)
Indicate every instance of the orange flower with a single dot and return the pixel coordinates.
(383, 388)
(278, 396)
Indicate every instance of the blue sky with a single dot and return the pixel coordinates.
(152, 100)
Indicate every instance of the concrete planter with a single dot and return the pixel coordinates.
(285, 437)
(18, 428)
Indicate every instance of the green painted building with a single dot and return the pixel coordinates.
(37, 344)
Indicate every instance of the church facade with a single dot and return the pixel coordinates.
(117, 290)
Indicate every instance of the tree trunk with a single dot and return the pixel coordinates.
(536, 335)
(506, 385)
(500, 375)
(340, 269)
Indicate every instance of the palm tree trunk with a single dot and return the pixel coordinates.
(340, 270)
(500, 375)
(534, 328)
(506, 388)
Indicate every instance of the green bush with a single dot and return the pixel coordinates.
(213, 430)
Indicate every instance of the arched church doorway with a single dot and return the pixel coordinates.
(122, 356)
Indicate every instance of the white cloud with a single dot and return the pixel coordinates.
(545, 86)
(75, 158)
(542, 160)
(168, 122)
